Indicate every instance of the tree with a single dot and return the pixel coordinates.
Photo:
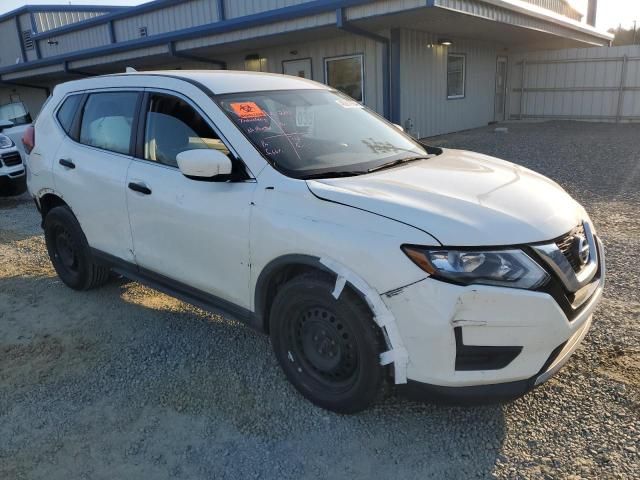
(625, 37)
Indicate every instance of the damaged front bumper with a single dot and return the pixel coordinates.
(482, 344)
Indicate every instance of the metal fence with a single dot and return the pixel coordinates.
(599, 84)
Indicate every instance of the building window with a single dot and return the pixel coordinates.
(456, 71)
(346, 74)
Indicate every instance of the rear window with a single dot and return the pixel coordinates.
(67, 112)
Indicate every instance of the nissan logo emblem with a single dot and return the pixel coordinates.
(581, 249)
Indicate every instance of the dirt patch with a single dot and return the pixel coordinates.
(38, 358)
(623, 366)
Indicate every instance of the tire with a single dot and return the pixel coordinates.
(70, 253)
(329, 349)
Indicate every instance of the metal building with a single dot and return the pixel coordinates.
(433, 66)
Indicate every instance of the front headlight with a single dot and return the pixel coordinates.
(6, 142)
(505, 268)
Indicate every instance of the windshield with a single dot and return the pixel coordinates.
(310, 133)
(15, 112)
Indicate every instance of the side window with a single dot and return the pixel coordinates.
(107, 120)
(456, 71)
(346, 74)
(67, 112)
(172, 127)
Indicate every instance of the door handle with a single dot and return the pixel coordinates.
(140, 188)
(67, 163)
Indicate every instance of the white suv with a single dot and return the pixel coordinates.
(368, 257)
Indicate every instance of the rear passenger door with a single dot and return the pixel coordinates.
(90, 166)
(191, 232)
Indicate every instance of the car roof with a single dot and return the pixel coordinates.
(217, 81)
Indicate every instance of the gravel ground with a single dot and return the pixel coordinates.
(124, 382)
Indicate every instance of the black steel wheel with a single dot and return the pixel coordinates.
(329, 349)
(69, 251)
(65, 255)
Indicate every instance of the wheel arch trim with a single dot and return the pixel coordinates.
(396, 354)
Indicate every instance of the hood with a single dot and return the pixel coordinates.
(462, 199)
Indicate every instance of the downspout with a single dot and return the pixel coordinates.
(174, 53)
(342, 24)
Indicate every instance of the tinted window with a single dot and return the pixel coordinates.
(67, 112)
(107, 120)
(172, 127)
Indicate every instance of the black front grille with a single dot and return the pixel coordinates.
(572, 303)
(11, 159)
(565, 244)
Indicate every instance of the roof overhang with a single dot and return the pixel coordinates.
(496, 9)
(505, 21)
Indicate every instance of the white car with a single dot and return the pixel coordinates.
(367, 256)
(12, 171)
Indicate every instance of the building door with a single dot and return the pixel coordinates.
(501, 89)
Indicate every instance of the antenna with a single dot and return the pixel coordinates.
(131, 70)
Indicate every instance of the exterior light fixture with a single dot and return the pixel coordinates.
(445, 42)
(52, 42)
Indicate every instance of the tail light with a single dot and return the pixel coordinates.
(29, 139)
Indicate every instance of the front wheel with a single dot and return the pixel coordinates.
(328, 348)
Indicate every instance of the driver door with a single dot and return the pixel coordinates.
(193, 232)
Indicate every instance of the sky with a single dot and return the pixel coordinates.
(611, 13)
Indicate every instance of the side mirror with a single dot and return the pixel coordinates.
(203, 164)
(399, 127)
(5, 124)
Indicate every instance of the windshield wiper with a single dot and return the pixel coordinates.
(335, 174)
(399, 162)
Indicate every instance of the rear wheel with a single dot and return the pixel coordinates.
(329, 349)
(69, 251)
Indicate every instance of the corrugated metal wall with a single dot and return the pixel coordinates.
(585, 84)
(382, 8)
(235, 8)
(10, 51)
(341, 44)
(95, 36)
(24, 21)
(49, 20)
(423, 79)
(182, 15)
